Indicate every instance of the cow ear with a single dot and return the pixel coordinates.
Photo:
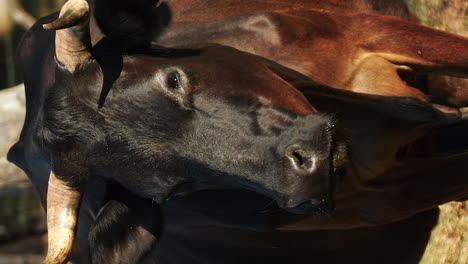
(72, 38)
(124, 231)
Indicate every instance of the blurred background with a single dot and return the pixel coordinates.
(22, 219)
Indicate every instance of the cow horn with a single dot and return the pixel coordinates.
(63, 204)
(72, 39)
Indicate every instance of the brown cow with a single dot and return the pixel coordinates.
(341, 44)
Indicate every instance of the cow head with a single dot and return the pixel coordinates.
(202, 117)
(216, 118)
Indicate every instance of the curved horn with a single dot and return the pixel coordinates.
(72, 39)
(63, 204)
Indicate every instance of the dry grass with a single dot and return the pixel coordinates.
(448, 15)
(448, 243)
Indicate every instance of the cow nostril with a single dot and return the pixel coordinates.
(298, 158)
(301, 160)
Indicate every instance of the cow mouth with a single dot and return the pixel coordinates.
(322, 207)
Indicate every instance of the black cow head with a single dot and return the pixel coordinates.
(216, 118)
(204, 117)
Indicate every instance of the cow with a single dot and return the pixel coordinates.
(270, 130)
(350, 46)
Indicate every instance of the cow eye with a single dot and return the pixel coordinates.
(173, 80)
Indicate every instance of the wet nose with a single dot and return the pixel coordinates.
(310, 182)
(302, 161)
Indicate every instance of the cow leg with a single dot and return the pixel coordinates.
(422, 49)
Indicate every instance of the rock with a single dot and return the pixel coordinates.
(12, 112)
(20, 210)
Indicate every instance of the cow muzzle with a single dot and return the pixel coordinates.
(312, 167)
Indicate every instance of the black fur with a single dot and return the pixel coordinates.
(131, 24)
